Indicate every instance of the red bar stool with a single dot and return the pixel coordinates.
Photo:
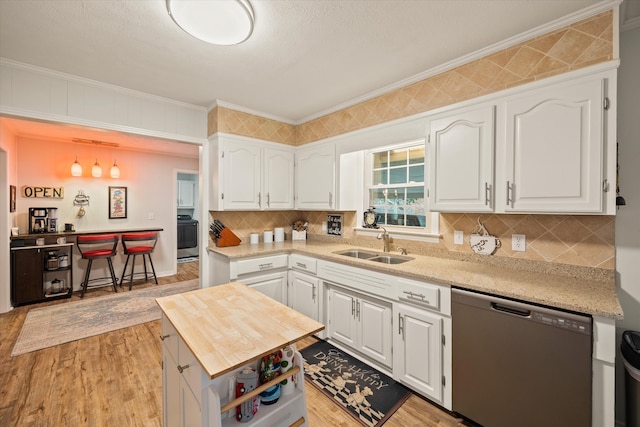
(98, 246)
(138, 244)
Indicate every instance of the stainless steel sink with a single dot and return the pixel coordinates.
(357, 253)
(374, 256)
(391, 259)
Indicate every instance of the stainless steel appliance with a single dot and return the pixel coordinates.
(187, 232)
(518, 364)
(43, 220)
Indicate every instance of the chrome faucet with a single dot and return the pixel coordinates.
(385, 238)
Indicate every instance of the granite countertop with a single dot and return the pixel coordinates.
(588, 291)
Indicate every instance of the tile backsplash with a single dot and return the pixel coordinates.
(585, 241)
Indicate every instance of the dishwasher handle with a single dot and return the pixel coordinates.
(510, 309)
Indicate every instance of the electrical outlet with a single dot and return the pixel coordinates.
(458, 237)
(518, 242)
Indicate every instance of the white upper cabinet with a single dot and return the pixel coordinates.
(554, 156)
(277, 180)
(253, 175)
(315, 178)
(461, 152)
(186, 194)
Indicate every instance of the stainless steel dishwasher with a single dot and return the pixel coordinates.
(517, 364)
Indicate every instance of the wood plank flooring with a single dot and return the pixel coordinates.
(115, 379)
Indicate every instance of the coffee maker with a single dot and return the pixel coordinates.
(43, 220)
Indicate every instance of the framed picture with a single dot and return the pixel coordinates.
(12, 198)
(117, 202)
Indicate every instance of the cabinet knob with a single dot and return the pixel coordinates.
(163, 337)
(182, 368)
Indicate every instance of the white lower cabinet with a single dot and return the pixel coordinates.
(417, 351)
(273, 285)
(304, 294)
(361, 322)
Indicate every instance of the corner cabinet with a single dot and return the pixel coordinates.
(316, 178)
(251, 175)
(555, 147)
(461, 148)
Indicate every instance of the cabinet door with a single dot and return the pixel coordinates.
(186, 190)
(272, 285)
(554, 151)
(303, 294)
(341, 316)
(277, 181)
(190, 413)
(170, 389)
(315, 178)
(242, 175)
(26, 276)
(374, 324)
(417, 356)
(461, 161)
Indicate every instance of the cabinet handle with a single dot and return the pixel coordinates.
(313, 292)
(267, 265)
(182, 368)
(260, 199)
(510, 193)
(487, 194)
(163, 337)
(400, 325)
(268, 200)
(358, 310)
(330, 199)
(353, 307)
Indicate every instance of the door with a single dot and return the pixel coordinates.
(303, 294)
(26, 276)
(374, 323)
(272, 285)
(417, 357)
(315, 178)
(186, 191)
(555, 149)
(461, 148)
(278, 179)
(341, 316)
(242, 175)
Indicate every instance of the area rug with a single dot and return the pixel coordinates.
(61, 323)
(367, 395)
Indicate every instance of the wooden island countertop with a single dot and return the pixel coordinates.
(228, 326)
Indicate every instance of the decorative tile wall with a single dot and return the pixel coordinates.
(559, 239)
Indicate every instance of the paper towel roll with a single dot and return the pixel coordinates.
(286, 364)
(278, 234)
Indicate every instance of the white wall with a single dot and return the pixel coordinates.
(151, 191)
(628, 217)
(7, 177)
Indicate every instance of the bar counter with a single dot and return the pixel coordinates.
(51, 238)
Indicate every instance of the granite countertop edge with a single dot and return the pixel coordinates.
(593, 294)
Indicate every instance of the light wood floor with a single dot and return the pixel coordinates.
(114, 379)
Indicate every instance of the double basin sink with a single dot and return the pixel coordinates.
(383, 258)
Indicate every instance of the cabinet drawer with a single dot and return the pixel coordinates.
(421, 294)
(303, 263)
(169, 338)
(191, 370)
(256, 265)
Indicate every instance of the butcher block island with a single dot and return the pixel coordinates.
(211, 335)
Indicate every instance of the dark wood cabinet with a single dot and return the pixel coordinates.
(34, 279)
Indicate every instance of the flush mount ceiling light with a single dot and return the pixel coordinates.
(221, 22)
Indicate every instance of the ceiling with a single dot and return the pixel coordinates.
(305, 58)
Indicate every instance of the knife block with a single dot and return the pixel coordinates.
(227, 238)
